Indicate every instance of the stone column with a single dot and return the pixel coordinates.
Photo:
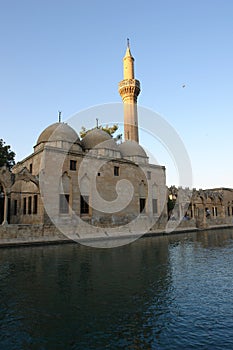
(5, 209)
(204, 214)
(193, 209)
(223, 211)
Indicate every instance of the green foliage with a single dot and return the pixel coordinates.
(7, 157)
(170, 204)
(83, 132)
(109, 129)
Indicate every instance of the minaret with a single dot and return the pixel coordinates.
(129, 89)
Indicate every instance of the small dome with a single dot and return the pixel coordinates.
(108, 144)
(58, 132)
(95, 137)
(131, 148)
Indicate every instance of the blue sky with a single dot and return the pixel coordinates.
(67, 55)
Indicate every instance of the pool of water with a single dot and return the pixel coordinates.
(171, 292)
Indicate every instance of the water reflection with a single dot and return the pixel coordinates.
(67, 294)
(156, 293)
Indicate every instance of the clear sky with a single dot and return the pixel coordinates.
(67, 55)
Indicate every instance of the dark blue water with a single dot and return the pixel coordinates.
(157, 293)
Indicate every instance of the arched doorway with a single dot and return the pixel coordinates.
(2, 203)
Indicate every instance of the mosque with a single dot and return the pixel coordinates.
(94, 179)
(68, 182)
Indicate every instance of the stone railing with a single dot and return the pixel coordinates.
(129, 82)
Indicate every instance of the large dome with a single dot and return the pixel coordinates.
(95, 137)
(131, 148)
(58, 132)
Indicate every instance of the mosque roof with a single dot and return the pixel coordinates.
(58, 132)
(96, 137)
(131, 148)
(109, 144)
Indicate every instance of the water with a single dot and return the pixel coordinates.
(157, 293)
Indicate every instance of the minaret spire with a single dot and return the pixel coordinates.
(129, 89)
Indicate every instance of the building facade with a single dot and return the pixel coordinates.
(95, 179)
(68, 181)
(201, 208)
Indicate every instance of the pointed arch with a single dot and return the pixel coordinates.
(154, 190)
(85, 195)
(85, 185)
(155, 195)
(142, 190)
(65, 184)
(64, 197)
(2, 203)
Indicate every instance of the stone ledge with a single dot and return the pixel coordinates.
(61, 239)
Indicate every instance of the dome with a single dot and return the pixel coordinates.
(94, 137)
(108, 144)
(131, 148)
(58, 132)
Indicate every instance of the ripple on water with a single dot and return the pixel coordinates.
(156, 293)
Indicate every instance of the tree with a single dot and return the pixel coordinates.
(109, 129)
(7, 157)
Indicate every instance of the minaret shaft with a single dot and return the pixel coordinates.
(129, 89)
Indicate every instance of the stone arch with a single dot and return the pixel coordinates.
(6, 181)
(2, 203)
(65, 199)
(142, 189)
(155, 199)
(85, 185)
(154, 190)
(65, 184)
(85, 200)
(24, 199)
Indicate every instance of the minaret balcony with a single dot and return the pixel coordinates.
(130, 83)
(129, 87)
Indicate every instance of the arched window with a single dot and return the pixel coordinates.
(2, 200)
(84, 194)
(64, 194)
(142, 197)
(154, 199)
